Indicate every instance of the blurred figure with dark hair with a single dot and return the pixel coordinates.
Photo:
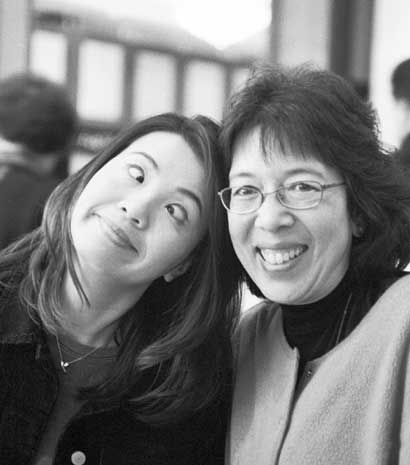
(38, 124)
(400, 81)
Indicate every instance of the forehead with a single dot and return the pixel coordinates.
(161, 143)
(251, 156)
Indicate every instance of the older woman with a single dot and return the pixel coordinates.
(320, 220)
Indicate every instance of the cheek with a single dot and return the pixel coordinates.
(85, 199)
(175, 249)
(237, 229)
(240, 232)
(333, 236)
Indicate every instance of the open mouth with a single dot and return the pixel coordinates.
(280, 257)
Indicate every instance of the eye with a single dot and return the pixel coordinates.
(244, 191)
(177, 212)
(136, 173)
(304, 187)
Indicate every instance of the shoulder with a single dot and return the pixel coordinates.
(19, 176)
(39, 184)
(390, 314)
(397, 295)
(260, 314)
(14, 319)
(255, 322)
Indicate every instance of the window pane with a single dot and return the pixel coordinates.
(48, 52)
(308, 38)
(239, 76)
(154, 85)
(204, 90)
(100, 81)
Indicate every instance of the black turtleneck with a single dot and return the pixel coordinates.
(315, 328)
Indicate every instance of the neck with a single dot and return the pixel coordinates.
(95, 324)
(316, 327)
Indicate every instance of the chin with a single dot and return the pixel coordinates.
(282, 295)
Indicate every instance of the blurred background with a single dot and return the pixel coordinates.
(124, 60)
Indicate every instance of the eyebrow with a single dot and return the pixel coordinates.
(292, 172)
(148, 157)
(242, 174)
(192, 196)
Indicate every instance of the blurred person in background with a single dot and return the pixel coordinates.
(38, 125)
(115, 325)
(319, 217)
(400, 81)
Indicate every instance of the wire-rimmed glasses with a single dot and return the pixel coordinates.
(299, 195)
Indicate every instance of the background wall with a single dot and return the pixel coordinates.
(15, 23)
(390, 45)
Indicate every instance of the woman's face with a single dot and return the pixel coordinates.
(293, 256)
(143, 212)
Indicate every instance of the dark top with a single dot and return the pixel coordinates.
(315, 328)
(82, 373)
(23, 194)
(100, 433)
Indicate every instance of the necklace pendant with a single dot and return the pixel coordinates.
(64, 365)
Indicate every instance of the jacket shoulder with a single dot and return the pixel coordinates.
(397, 295)
(260, 314)
(14, 319)
(254, 323)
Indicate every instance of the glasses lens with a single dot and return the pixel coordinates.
(242, 199)
(301, 194)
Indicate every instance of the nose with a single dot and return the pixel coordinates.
(272, 215)
(136, 209)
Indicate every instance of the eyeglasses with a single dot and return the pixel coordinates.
(300, 195)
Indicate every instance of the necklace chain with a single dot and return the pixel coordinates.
(64, 365)
(342, 322)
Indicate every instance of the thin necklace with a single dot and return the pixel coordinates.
(342, 322)
(64, 365)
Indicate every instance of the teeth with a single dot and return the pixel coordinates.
(278, 258)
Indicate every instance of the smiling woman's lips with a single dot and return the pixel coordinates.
(281, 255)
(117, 235)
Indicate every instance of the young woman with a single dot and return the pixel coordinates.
(115, 313)
(319, 217)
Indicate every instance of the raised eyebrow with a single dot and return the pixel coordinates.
(192, 196)
(147, 156)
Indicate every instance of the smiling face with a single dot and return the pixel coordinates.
(293, 256)
(143, 212)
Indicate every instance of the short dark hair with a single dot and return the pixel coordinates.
(179, 331)
(316, 113)
(36, 113)
(400, 80)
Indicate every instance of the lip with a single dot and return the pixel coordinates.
(281, 248)
(116, 234)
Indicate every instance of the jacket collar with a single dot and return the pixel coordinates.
(16, 325)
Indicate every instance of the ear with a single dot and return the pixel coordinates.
(179, 270)
(357, 227)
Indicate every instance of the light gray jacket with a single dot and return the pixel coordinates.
(352, 405)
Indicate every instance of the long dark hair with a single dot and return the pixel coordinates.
(174, 349)
(315, 113)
